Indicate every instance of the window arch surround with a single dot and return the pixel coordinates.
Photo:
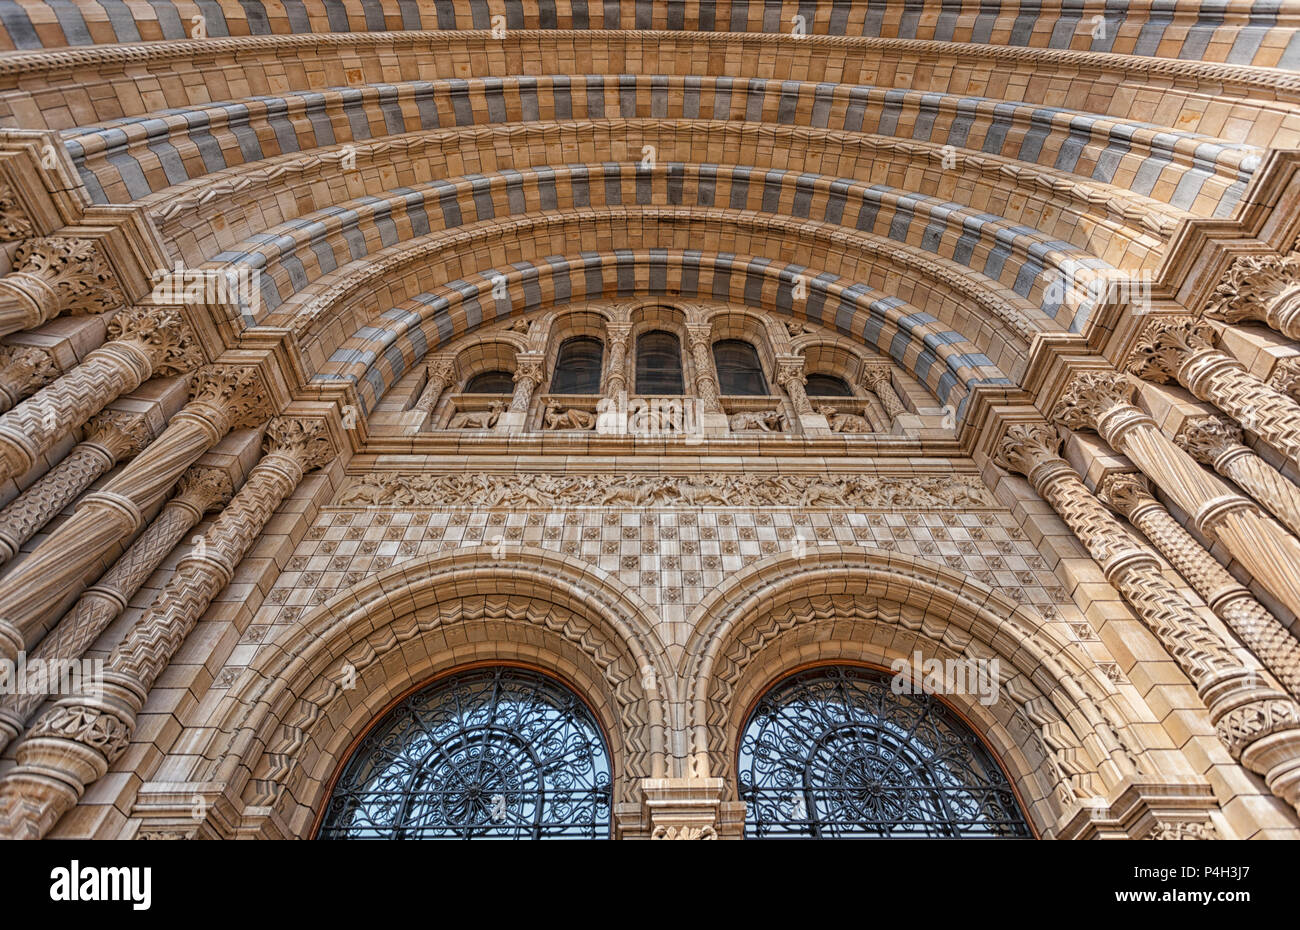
(864, 790)
(594, 799)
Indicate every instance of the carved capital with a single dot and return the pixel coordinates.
(1165, 345)
(86, 724)
(162, 335)
(789, 370)
(236, 391)
(1251, 287)
(24, 369)
(203, 489)
(1285, 378)
(1208, 438)
(529, 368)
(1091, 395)
(1026, 447)
(65, 274)
(441, 371)
(699, 334)
(874, 374)
(121, 435)
(304, 440)
(617, 334)
(1126, 492)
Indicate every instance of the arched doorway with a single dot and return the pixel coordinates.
(488, 753)
(834, 752)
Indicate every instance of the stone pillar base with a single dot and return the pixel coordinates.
(511, 421)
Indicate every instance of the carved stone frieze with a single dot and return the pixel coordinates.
(710, 490)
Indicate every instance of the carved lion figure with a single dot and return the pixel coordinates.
(478, 419)
(559, 417)
(770, 421)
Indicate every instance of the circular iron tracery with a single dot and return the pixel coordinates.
(833, 752)
(493, 753)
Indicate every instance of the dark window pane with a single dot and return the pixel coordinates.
(577, 368)
(491, 382)
(739, 371)
(827, 386)
(658, 364)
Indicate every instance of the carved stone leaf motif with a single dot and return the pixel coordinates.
(706, 832)
(27, 368)
(1182, 830)
(1251, 285)
(205, 488)
(1089, 396)
(1206, 438)
(237, 389)
(77, 270)
(305, 440)
(1165, 344)
(14, 222)
(162, 334)
(712, 490)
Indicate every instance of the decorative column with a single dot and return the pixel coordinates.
(199, 490)
(877, 377)
(790, 375)
(530, 372)
(616, 338)
(1285, 377)
(1248, 619)
(76, 741)
(111, 437)
(1261, 288)
(24, 369)
(144, 342)
(1182, 348)
(1100, 400)
(52, 276)
(1217, 442)
(440, 372)
(1259, 725)
(223, 398)
(699, 338)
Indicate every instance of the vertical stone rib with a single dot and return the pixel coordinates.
(75, 742)
(1259, 725)
(199, 490)
(1258, 629)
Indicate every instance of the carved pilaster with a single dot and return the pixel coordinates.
(530, 371)
(1181, 348)
(1248, 619)
(1100, 400)
(699, 338)
(111, 437)
(438, 374)
(1259, 725)
(1263, 289)
(199, 490)
(143, 344)
(1216, 442)
(57, 764)
(56, 275)
(24, 369)
(790, 375)
(878, 378)
(616, 338)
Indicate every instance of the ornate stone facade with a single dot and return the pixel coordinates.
(747, 356)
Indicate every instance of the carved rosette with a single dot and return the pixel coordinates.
(55, 275)
(162, 335)
(1166, 344)
(790, 375)
(1255, 288)
(24, 369)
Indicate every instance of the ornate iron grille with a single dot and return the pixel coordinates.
(494, 753)
(833, 752)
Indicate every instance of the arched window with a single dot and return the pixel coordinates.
(834, 752)
(497, 753)
(739, 371)
(491, 382)
(827, 386)
(659, 364)
(577, 367)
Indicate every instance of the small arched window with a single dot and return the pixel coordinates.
(491, 382)
(659, 364)
(827, 386)
(577, 367)
(739, 370)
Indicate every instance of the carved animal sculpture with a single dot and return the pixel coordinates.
(767, 422)
(558, 417)
(477, 419)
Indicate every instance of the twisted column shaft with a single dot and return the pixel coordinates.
(1248, 619)
(111, 438)
(199, 490)
(790, 375)
(77, 740)
(1259, 725)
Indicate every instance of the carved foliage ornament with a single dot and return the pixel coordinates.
(1165, 344)
(1252, 285)
(204, 488)
(75, 268)
(236, 390)
(1206, 438)
(14, 222)
(123, 434)
(306, 441)
(27, 368)
(1089, 396)
(1025, 446)
(162, 334)
(1125, 491)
